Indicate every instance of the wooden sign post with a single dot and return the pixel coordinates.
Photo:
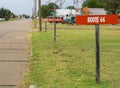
(96, 20)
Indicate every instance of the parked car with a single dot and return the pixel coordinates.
(2, 19)
(69, 20)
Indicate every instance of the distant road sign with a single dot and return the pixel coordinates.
(97, 19)
(45, 19)
(55, 19)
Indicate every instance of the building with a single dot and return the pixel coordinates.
(98, 11)
(72, 12)
(65, 12)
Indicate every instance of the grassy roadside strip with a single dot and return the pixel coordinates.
(74, 65)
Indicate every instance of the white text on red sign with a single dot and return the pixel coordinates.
(96, 19)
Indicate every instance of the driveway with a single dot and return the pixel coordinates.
(14, 52)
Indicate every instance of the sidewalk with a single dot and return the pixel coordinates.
(14, 52)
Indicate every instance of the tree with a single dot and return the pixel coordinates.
(70, 7)
(112, 6)
(48, 9)
(26, 16)
(52, 7)
(5, 13)
(93, 4)
(44, 11)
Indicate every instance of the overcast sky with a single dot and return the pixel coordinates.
(24, 6)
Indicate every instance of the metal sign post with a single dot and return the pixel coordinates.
(54, 25)
(55, 31)
(45, 26)
(96, 20)
(97, 34)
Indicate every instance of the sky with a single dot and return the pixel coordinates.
(18, 6)
(25, 6)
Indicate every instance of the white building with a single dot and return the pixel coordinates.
(72, 12)
(64, 12)
(98, 11)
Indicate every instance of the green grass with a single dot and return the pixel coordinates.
(70, 62)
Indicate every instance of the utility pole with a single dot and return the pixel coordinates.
(39, 7)
(35, 4)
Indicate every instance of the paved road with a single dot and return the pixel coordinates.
(14, 52)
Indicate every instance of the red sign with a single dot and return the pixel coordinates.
(45, 19)
(97, 19)
(55, 19)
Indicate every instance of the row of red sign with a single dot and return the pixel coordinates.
(53, 19)
(90, 19)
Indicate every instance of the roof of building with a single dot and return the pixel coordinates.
(99, 11)
(72, 12)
